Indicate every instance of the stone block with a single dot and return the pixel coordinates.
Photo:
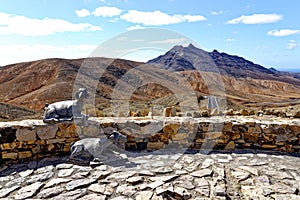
(280, 143)
(240, 128)
(232, 135)
(30, 142)
(250, 137)
(24, 154)
(227, 127)
(67, 131)
(200, 140)
(240, 141)
(155, 145)
(246, 145)
(24, 134)
(51, 141)
(268, 146)
(46, 132)
(179, 137)
(71, 131)
(8, 146)
(171, 129)
(297, 148)
(255, 129)
(90, 131)
(9, 155)
(164, 138)
(213, 135)
(230, 146)
(8, 135)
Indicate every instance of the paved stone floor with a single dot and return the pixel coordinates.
(157, 176)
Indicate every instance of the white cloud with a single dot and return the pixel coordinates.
(107, 11)
(157, 18)
(256, 19)
(193, 18)
(42, 51)
(82, 13)
(217, 12)
(20, 25)
(292, 44)
(283, 32)
(135, 27)
(170, 41)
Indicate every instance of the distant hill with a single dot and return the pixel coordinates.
(30, 85)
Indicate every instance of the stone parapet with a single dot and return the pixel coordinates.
(34, 139)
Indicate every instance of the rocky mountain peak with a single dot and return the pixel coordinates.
(181, 58)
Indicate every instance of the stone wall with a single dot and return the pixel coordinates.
(34, 139)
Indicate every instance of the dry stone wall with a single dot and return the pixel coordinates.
(34, 139)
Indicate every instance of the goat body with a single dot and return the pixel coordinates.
(65, 110)
(97, 148)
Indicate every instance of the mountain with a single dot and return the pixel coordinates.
(245, 82)
(181, 58)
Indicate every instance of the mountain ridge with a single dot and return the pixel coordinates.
(215, 61)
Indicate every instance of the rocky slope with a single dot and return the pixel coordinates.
(32, 84)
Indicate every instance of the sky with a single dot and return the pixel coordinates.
(266, 32)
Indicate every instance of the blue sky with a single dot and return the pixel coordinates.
(263, 31)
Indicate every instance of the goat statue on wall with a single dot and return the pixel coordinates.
(66, 110)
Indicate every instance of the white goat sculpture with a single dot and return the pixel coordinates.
(65, 110)
(97, 149)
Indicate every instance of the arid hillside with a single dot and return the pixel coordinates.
(32, 84)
